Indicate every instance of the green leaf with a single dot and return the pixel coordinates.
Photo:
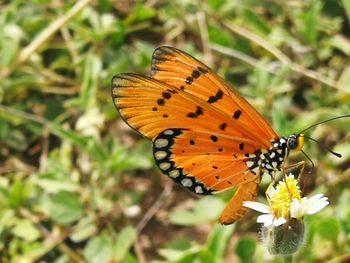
(55, 186)
(209, 208)
(65, 207)
(85, 229)
(124, 160)
(346, 4)
(206, 256)
(205, 210)
(18, 193)
(179, 256)
(86, 143)
(328, 228)
(308, 21)
(125, 239)
(256, 22)
(99, 250)
(26, 230)
(185, 218)
(245, 249)
(218, 240)
(344, 80)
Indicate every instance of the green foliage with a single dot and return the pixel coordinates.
(213, 251)
(245, 249)
(77, 185)
(204, 210)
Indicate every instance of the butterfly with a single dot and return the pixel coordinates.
(205, 136)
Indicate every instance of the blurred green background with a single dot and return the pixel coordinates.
(78, 185)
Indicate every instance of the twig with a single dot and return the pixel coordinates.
(259, 40)
(147, 217)
(241, 56)
(59, 90)
(24, 115)
(139, 252)
(154, 208)
(42, 37)
(68, 40)
(281, 56)
(45, 150)
(56, 241)
(203, 30)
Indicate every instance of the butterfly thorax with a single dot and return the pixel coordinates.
(269, 160)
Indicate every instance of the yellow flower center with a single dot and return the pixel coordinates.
(286, 191)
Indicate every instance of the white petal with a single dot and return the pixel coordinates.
(279, 221)
(314, 208)
(295, 209)
(257, 206)
(315, 197)
(267, 219)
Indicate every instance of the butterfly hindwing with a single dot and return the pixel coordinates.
(201, 162)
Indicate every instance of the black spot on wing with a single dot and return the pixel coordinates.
(166, 95)
(223, 126)
(241, 146)
(217, 97)
(189, 80)
(214, 138)
(237, 114)
(196, 114)
(195, 74)
(161, 102)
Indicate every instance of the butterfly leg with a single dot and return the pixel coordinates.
(272, 183)
(300, 165)
(286, 169)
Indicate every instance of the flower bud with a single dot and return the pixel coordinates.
(284, 239)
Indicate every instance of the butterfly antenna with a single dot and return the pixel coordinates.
(331, 119)
(322, 145)
(312, 163)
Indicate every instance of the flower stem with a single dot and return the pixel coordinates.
(288, 259)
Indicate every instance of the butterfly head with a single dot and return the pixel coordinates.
(295, 142)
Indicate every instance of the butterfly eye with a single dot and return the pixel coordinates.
(292, 142)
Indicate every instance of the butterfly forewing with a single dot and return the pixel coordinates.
(150, 106)
(184, 72)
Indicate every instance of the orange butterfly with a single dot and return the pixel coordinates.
(205, 136)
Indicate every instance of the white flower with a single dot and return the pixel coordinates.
(267, 218)
(306, 206)
(285, 202)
